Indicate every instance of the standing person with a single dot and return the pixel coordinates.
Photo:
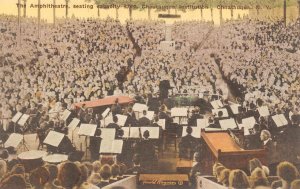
(270, 147)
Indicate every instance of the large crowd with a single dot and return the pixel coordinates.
(85, 60)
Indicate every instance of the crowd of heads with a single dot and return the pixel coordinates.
(66, 175)
(287, 176)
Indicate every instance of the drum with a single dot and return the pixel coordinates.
(55, 158)
(32, 159)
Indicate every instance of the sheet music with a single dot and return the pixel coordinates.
(121, 119)
(280, 120)
(23, 119)
(212, 129)
(54, 138)
(196, 132)
(202, 123)
(137, 107)
(228, 124)
(162, 123)
(74, 123)
(235, 108)
(150, 115)
(108, 146)
(16, 117)
(13, 140)
(224, 110)
(134, 132)
(263, 111)
(105, 113)
(216, 104)
(108, 133)
(249, 122)
(65, 115)
(106, 121)
(179, 112)
(153, 131)
(87, 129)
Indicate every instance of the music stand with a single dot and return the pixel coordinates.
(15, 119)
(111, 147)
(22, 121)
(54, 138)
(87, 130)
(179, 113)
(104, 115)
(228, 124)
(13, 140)
(122, 119)
(72, 126)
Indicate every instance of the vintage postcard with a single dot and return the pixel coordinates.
(149, 94)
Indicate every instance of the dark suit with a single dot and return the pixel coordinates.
(272, 156)
(146, 149)
(193, 120)
(113, 125)
(144, 121)
(95, 143)
(187, 143)
(131, 119)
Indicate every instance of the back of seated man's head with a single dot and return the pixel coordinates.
(144, 112)
(146, 134)
(96, 166)
(115, 170)
(15, 181)
(68, 174)
(287, 171)
(220, 114)
(189, 130)
(115, 119)
(53, 171)
(105, 172)
(39, 177)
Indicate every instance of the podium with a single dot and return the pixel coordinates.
(221, 147)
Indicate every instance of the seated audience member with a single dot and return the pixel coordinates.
(214, 168)
(258, 178)
(287, 173)
(255, 163)
(89, 165)
(115, 172)
(187, 144)
(3, 168)
(95, 177)
(114, 124)
(39, 177)
(295, 184)
(14, 181)
(219, 169)
(82, 183)
(144, 121)
(52, 182)
(196, 169)
(238, 179)
(224, 177)
(105, 173)
(137, 168)
(123, 170)
(68, 175)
